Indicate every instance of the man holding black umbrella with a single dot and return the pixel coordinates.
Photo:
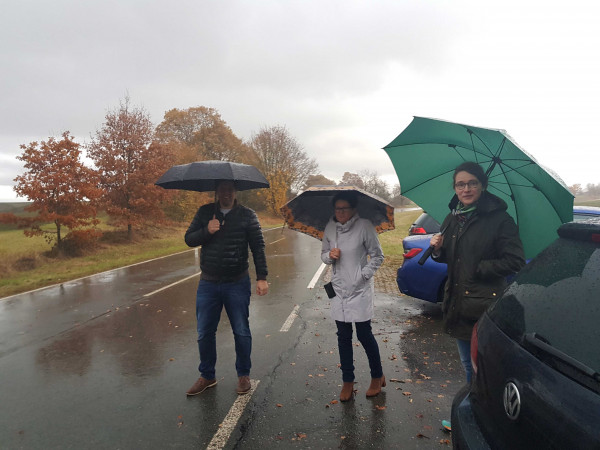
(225, 230)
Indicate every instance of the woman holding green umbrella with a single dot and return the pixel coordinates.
(481, 246)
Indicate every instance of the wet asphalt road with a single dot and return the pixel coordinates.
(104, 362)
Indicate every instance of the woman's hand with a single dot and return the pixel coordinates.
(335, 253)
(436, 242)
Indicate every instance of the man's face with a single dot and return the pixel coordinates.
(226, 194)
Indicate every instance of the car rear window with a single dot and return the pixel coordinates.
(557, 296)
(429, 223)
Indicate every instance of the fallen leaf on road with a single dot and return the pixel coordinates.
(421, 436)
(279, 405)
(334, 402)
(445, 441)
(380, 408)
(406, 393)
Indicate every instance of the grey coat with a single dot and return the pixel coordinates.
(352, 274)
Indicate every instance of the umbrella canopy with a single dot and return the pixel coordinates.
(203, 176)
(310, 211)
(426, 153)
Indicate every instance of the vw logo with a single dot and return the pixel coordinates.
(512, 401)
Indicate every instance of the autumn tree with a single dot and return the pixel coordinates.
(369, 181)
(129, 162)
(61, 189)
(353, 179)
(375, 185)
(317, 180)
(576, 189)
(283, 162)
(203, 133)
(197, 134)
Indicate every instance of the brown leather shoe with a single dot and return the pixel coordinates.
(244, 385)
(375, 387)
(200, 386)
(347, 391)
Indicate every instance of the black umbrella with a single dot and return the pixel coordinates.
(310, 211)
(203, 176)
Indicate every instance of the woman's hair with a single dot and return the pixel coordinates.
(350, 196)
(474, 169)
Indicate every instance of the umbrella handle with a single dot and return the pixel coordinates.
(426, 255)
(430, 250)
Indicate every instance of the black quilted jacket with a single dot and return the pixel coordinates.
(224, 255)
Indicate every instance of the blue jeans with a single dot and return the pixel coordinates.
(210, 299)
(367, 340)
(464, 350)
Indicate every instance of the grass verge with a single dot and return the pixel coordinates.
(25, 266)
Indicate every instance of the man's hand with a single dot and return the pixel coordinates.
(262, 287)
(214, 225)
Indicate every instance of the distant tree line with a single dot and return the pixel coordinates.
(129, 154)
(590, 190)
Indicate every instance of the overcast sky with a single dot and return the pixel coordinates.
(345, 77)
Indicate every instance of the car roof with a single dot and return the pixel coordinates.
(577, 209)
(586, 230)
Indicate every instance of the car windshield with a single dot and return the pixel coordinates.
(556, 297)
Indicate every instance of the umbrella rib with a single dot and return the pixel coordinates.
(426, 181)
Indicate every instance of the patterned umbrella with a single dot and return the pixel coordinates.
(310, 211)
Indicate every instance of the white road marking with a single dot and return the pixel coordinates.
(271, 229)
(231, 419)
(317, 276)
(276, 241)
(290, 320)
(172, 284)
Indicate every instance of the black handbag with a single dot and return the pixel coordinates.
(329, 289)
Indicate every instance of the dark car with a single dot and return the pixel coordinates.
(427, 282)
(536, 363)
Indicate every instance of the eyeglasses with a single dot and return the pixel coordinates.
(460, 186)
(344, 209)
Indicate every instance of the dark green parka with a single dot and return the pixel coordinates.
(480, 256)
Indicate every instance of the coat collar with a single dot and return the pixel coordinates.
(486, 204)
(345, 227)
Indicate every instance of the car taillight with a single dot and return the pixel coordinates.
(412, 253)
(474, 344)
(417, 230)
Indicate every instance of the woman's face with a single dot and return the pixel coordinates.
(467, 187)
(343, 211)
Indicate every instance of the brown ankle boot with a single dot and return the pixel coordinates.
(375, 387)
(347, 391)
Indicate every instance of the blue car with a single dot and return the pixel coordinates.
(427, 282)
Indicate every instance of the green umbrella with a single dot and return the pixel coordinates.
(426, 153)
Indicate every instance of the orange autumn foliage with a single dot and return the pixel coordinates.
(61, 188)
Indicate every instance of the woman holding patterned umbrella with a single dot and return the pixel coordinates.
(350, 245)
